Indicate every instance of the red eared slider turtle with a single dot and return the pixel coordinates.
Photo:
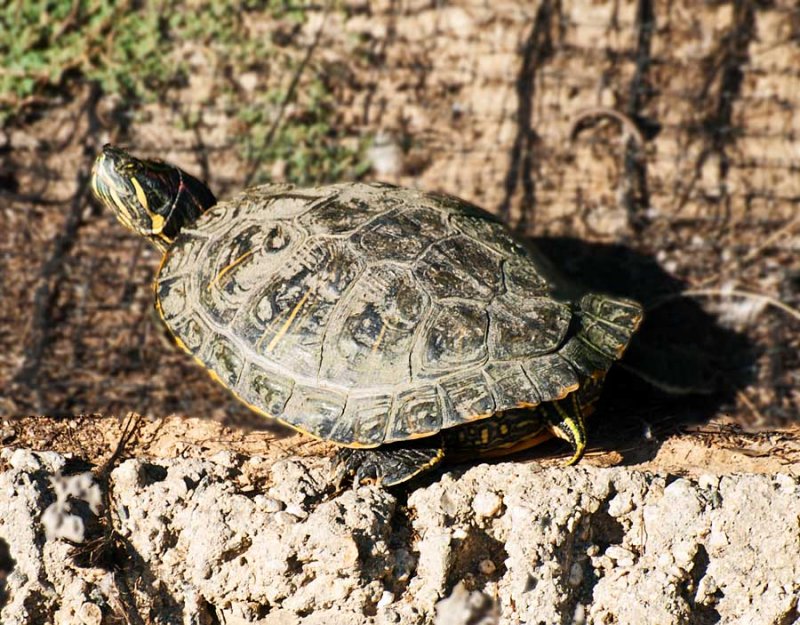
(398, 324)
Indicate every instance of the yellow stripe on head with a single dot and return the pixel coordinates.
(95, 169)
(123, 213)
(97, 193)
(158, 222)
(140, 194)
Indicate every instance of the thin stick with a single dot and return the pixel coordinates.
(69, 21)
(31, 198)
(781, 232)
(129, 427)
(751, 406)
(785, 230)
(604, 111)
(290, 92)
(772, 301)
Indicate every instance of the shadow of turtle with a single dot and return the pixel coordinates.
(683, 367)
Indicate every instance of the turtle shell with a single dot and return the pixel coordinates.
(366, 313)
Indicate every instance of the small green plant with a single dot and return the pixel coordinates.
(308, 143)
(131, 50)
(44, 43)
(289, 118)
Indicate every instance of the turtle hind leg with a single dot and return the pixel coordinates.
(564, 418)
(386, 466)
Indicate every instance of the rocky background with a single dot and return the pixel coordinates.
(648, 148)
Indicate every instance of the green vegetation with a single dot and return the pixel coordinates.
(133, 51)
(307, 145)
(45, 44)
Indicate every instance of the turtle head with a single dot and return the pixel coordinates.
(152, 198)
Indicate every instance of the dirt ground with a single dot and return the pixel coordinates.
(646, 148)
(720, 448)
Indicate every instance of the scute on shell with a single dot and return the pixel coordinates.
(366, 313)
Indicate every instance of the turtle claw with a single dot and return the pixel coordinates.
(368, 474)
(356, 465)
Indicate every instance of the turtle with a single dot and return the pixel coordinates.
(402, 325)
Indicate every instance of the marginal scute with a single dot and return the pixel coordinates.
(173, 298)
(223, 358)
(402, 236)
(364, 421)
(607, 323)
(314, 410)
(455, 338)
(552, 376)
(584, 357)
(511, 387)
(417, 413)
(469, 396)
(265, 389)
(520, 328)
(193, 332)
(460, 267)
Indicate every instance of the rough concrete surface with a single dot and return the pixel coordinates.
(234, 540)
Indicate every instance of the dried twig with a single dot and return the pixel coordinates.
(603, 111)
(30, 198)
(69, 21)
(276, 123)
(751, 406)
(768, 299)
(776, 236)
(129, 427)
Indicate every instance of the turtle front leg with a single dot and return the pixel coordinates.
(385, 466)
(564, 419)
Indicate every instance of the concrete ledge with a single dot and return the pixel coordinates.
(237, 540)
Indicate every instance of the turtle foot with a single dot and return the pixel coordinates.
(385, 466)
(565, 420)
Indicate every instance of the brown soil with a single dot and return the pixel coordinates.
(721, 448)
(648, 153)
